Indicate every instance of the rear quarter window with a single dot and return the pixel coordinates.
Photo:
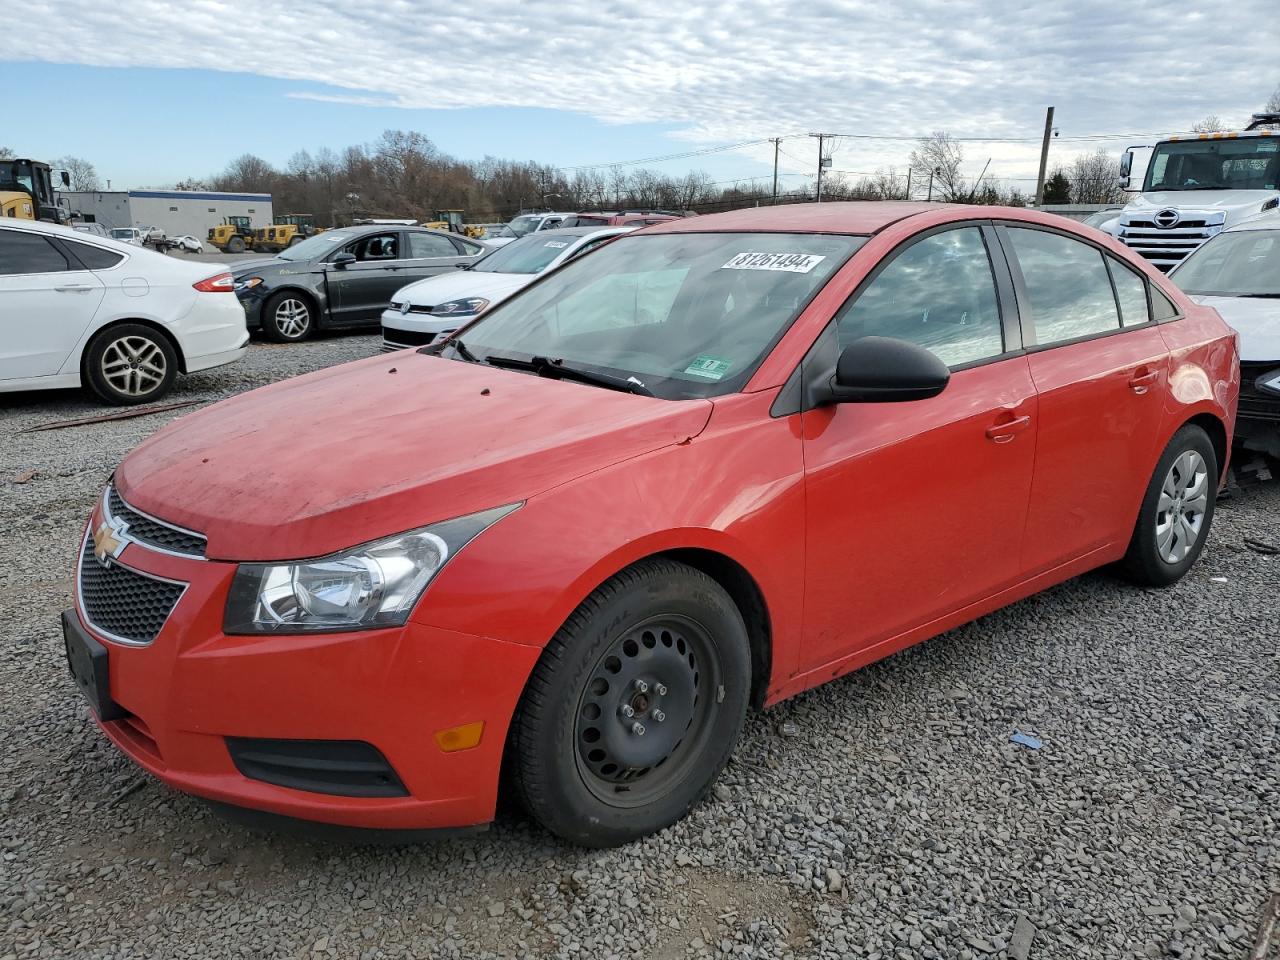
(95, 258)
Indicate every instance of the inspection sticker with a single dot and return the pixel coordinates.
(556, 244)
(712, 368)
(790, 262)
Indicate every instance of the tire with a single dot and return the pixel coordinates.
(1176, 513)
(235, 245)
(664, 641)
(288, 317)
(129, 363)
(297, 239)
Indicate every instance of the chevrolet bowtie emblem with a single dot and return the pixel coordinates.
(108, 542)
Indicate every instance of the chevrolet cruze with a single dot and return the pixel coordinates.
(715, 463)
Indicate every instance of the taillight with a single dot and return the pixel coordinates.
(222, 283)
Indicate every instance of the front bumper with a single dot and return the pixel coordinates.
(182, 697)
(251, 300)
(1258, 412)
(401, 330)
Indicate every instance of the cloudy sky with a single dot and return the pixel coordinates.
(153, 91)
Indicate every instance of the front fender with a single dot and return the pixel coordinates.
(736, 489)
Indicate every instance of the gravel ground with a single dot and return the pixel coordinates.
(885, 815)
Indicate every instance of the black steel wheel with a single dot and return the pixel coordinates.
(634, 706)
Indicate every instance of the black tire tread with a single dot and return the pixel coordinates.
(535, 702)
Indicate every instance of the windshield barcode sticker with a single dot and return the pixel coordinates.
(789, 262)
(556, 244)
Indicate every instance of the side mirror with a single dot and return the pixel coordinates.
(884, 369)
(340, 260)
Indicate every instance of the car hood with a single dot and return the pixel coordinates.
(312, 465)
(1256, 319)
(463, 283)
(1236, 204)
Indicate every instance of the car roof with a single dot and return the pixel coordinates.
(58, 230)
(588, 231)
(1266, 221)
(852, 217)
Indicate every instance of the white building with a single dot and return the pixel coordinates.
(176, 212)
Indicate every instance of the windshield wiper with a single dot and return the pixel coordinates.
(463, 352)
(558, 370)
(1260, 296)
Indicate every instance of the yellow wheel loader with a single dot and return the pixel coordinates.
(233, 235)
(286, 230)
(451, 220)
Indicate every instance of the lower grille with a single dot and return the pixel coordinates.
(123, 604)
(342, 768)
(406, 338)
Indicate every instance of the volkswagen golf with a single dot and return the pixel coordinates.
(715, 463)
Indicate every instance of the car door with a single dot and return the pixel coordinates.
(47, 301)
(360, 291)
(1100, 368)
(430, 254)
(916, 509)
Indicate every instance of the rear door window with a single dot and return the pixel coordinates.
(1131, 293)
(1067, 286)
(426, 246)
(95, 258)
(22, 252)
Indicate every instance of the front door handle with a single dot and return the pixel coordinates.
(74, 288)
(1004, 432)
(1141, 381)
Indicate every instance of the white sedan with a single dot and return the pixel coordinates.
(79, 310)
(437, 306)
(187, 244)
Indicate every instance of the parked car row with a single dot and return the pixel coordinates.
(707, 466)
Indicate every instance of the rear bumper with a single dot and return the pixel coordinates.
(218, 359)
(184, 697)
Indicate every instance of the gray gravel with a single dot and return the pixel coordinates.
(885, 815)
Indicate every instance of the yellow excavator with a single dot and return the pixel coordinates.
(286, 230)
(232, 235)
(26, 191)
(452, 221)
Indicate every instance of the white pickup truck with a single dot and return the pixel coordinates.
(1194, 187)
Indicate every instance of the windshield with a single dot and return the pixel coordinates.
(1242, 264)
(526, 224)
(684, 314)
(1248, 163)
(529, 254)
(316, 247)
(122, 233)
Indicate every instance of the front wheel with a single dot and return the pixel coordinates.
(235, 245)
(287, 318)
(634, 707)
(1176, 513)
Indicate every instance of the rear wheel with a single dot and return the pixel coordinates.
(235, 245)
(297, 239)
(287, 318)
(1176, 513)
(634, 707)
(130, 364)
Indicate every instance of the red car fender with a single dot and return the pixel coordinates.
(521, 579)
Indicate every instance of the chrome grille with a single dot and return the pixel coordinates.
(151, 532)
(120, 603)
(1166, 247)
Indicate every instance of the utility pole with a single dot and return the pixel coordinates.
(776, 142)
(929, 198)
(822, 161)
(908, 196)
(1044, 156)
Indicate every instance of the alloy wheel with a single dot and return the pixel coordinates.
(133, 366)
(1180, 510)
(292, 318)
(646, 707)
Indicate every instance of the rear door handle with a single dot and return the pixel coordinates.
(1141, 382)
(74, 288)
(1004, 432)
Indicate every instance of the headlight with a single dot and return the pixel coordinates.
(248, 284)
(457, 308)
(374, 585)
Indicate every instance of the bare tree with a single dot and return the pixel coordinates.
(1210, 124)
(83, 175)
(191, 183)
(248, 173)
(6, 153)
(1273, 102)
(939, 156)
(1094, 178)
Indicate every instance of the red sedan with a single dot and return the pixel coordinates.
(708, 466)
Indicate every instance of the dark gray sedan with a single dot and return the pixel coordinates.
(343, 278)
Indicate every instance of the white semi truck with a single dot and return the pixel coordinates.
(1194, 187)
